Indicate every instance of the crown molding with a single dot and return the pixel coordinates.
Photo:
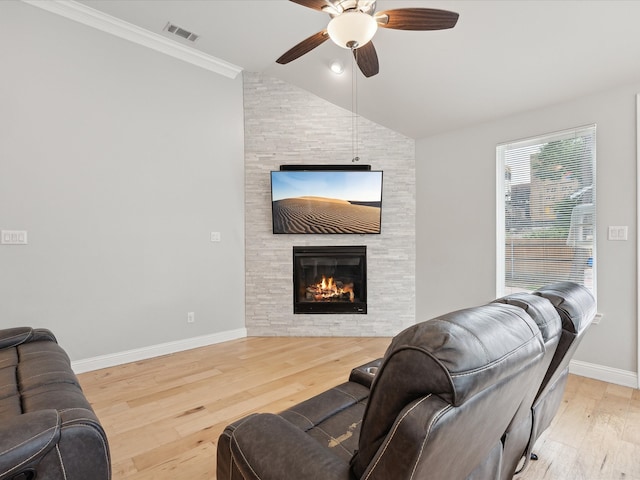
(109, 24)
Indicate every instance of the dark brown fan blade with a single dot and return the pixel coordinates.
(417, 19)
(314, 4)
(303, 47)
(367, 59)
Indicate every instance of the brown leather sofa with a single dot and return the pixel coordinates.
(461, 396)
(48, 430)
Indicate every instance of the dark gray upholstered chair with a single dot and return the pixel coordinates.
(463, 396)
(48, 430)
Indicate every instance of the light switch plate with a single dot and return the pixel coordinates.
(618, 233)
(13, 237)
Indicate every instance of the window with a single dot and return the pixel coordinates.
(546, 200)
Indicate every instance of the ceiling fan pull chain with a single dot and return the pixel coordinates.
(354, 105)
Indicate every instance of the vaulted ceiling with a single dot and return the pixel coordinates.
(503, 56)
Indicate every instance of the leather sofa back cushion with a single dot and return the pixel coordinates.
(574, 303)
(541, 311)
(12, 337)
(9, 397)
(15, 336)
(453, 356)
(36, 376)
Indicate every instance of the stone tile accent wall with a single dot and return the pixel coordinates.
(287, 125)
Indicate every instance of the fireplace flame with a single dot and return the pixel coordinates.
(329, 289)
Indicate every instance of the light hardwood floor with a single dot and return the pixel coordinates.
(163, 416)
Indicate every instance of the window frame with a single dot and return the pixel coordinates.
(501, 230)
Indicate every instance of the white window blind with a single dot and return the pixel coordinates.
(546, 201)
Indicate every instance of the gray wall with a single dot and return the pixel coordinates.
(286, 125)
(456, 175)
(119, 162)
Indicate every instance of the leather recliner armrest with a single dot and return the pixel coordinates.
(268, 447)
(27, 437)
(364, 374)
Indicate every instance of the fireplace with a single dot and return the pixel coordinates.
(330, 279)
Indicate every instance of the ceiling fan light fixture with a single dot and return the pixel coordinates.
(352, 29)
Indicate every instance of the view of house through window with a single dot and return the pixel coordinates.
(546, 211)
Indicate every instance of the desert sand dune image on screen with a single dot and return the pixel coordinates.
(324, 215)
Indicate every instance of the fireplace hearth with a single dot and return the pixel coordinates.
(330, 279)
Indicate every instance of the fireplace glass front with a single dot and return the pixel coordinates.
(330, 279)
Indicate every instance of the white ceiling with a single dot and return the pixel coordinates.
(503, 56)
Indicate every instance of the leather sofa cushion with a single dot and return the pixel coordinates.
(43, 363)
(574, 303)
(316, 410)
(12, 337)
(8, 357)
(540, 310)
(9, 398)
(268, 447)
(37, 376)
(332, 418)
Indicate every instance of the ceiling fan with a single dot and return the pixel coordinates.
(354, 23)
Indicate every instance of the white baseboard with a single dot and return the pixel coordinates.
(605, 374)
(119, 358)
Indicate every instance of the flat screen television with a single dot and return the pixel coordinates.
(326, 201)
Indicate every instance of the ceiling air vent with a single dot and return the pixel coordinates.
(181, 32)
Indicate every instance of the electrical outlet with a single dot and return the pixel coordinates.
(191, 317)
